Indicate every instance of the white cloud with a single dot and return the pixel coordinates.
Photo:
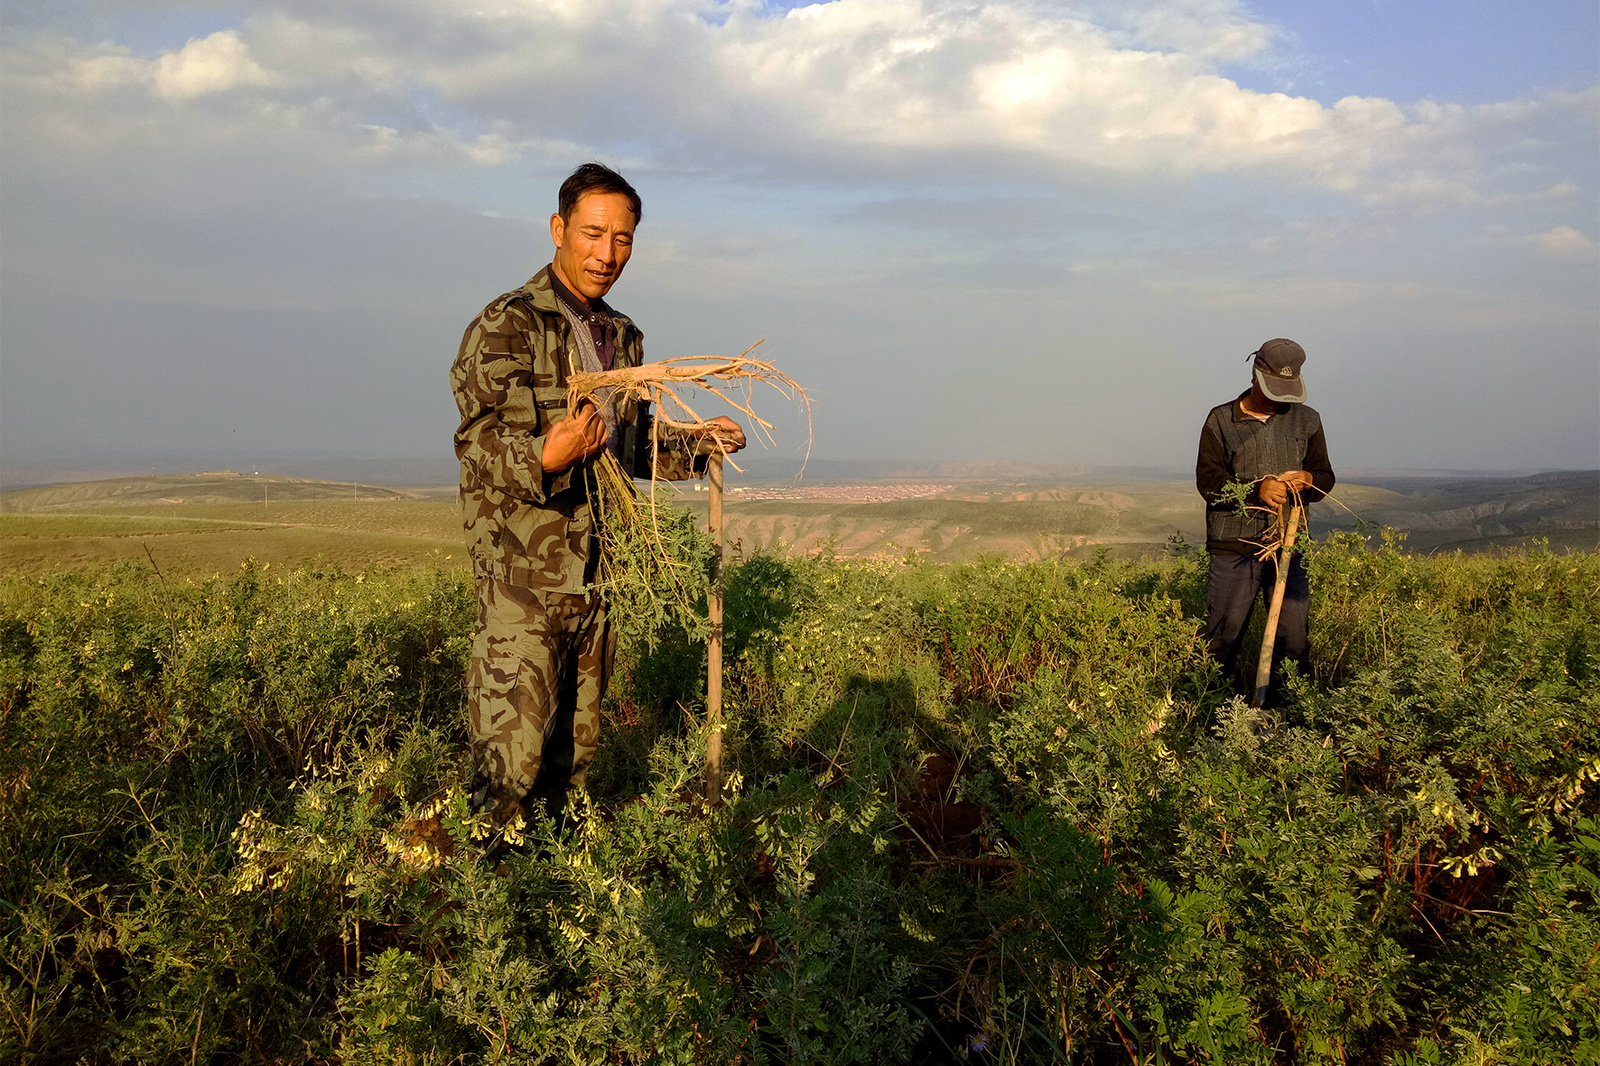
(206, 65)
(936, 78)
(1564, 242)
(1558, 244)
(1090, 90)
(108, 68)
(1215, 29)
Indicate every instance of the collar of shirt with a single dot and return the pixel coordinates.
(1240, 414)
(599, 324)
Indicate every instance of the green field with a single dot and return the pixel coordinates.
(219, 537)
(979, 811)
(194, 525)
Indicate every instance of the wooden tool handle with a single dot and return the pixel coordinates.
(714, 641)
(1270, 637)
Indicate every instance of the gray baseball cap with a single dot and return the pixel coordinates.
(1277, 370)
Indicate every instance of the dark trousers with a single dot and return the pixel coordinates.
(1236, 582)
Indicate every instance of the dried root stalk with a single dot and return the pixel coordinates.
(638, 555)
(1272, 543)
(732, 381)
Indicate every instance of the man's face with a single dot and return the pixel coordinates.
(593, 245)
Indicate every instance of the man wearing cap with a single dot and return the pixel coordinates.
(1269, 438)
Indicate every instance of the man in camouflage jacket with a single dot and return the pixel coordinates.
(542, 649)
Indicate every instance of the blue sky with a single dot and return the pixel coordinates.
(1049, 231)
(1466, 51)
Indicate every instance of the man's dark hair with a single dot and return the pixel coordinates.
(595, 177)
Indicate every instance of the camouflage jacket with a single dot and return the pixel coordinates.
(525, 526)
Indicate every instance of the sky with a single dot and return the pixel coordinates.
(236, 233)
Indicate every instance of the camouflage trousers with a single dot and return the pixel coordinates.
(540, 663)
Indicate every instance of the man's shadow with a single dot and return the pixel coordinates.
(660, 685)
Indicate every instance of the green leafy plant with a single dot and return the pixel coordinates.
(981, 812)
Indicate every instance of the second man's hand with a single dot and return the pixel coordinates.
(1275, 489)
(573, 439)
(719, 436)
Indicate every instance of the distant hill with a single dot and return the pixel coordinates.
(825, 471)
(211, 521)
(25, 474)
(1474, 514)
(219, 486)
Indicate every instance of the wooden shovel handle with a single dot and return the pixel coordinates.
(1270, 637)
(714, 641)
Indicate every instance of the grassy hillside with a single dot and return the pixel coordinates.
(211, 524)
(1476, 514)
(177, 489)
(945, 528)
(200, 525)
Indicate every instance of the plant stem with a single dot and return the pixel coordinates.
(714, 642)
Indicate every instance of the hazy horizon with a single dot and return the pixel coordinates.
(1009, 231)
(419, 471)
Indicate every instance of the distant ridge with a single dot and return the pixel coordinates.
(367, 471)
(1477, 513)
(835, 470)
(831, 470)
(213, 486)
(758, 466)
(212, 520)
(1373, 474)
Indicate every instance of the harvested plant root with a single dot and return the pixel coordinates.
(731, 380)
(1273, 540)
(1276, 533)
(637, 562)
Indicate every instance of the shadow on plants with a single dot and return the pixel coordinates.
(758, 598)
(670, 670)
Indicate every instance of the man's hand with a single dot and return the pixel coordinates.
(573, 439)
(1275, 490)
(720, 436)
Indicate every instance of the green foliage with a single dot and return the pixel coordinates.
(983, 812)
(1238, 494)
(655, 567)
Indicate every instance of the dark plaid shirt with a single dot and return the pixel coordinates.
(605, 345)
(1236, 447)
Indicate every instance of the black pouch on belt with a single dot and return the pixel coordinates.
(633, 444)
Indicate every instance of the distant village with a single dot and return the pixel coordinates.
(846, 493)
